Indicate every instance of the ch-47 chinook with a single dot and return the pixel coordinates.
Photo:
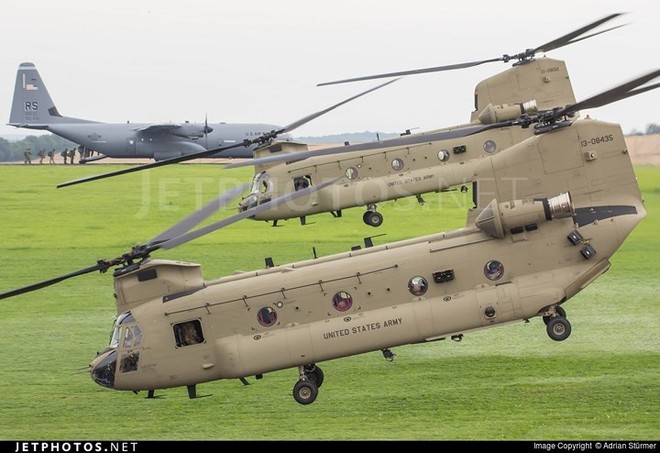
(416, 164)
(549, 214)
(412, 164)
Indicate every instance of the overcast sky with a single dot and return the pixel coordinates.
(260, 60)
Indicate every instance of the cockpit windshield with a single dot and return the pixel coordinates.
(131, 336)
(260, 192)
(261, 183)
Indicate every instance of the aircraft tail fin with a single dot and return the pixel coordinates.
(33, 107)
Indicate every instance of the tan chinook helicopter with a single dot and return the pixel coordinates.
(549, 214)
(413, 164)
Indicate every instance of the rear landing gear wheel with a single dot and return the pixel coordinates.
(305, 392)
(314, 374)
(558, 328)
(560, 312)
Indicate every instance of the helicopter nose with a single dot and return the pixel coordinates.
(247, 203)
(103, 369)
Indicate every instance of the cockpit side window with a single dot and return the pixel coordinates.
(188, 333)
(132, 337)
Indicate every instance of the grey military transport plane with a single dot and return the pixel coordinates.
(33, 108)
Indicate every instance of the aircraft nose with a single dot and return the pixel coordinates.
(247, 203)
(103, 369)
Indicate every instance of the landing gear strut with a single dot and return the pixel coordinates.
(557, 326)
(307, 388)
(371, 217)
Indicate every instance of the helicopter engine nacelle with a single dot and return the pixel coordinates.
(516, 216)
(497, 113)
(152, 279)
(280, 147)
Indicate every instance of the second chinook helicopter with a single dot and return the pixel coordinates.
(416, 164)
(413, 164)
(549, 214)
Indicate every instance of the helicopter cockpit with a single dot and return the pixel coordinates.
(260, 192)
(125, 344)
(263, 188)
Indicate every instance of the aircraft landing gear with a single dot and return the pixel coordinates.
(559, 311)
(371, 217)
(307, 388)
(557, 326)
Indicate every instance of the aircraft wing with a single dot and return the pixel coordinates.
(158, 127)
(187, 130)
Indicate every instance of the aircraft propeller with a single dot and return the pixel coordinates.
(522, 57)
(544, 121)
(258, 140)
(207, 131)
(176, 235)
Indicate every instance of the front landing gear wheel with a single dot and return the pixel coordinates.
(373, 218)
(558, 328)
(305, 392)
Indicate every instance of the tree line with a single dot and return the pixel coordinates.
(650, 130)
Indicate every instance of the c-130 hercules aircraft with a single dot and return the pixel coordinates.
(549, 213)
(33, 108)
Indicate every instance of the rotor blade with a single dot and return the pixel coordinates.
(554, 44)
(568, 38)
(174, 242)
(198, 216)
(51, 281)
(160, 163)
(412, 71)
(573, 41)
(400, 141)
(623, 91)
(308, 118)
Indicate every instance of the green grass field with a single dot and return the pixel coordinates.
(509, 382)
